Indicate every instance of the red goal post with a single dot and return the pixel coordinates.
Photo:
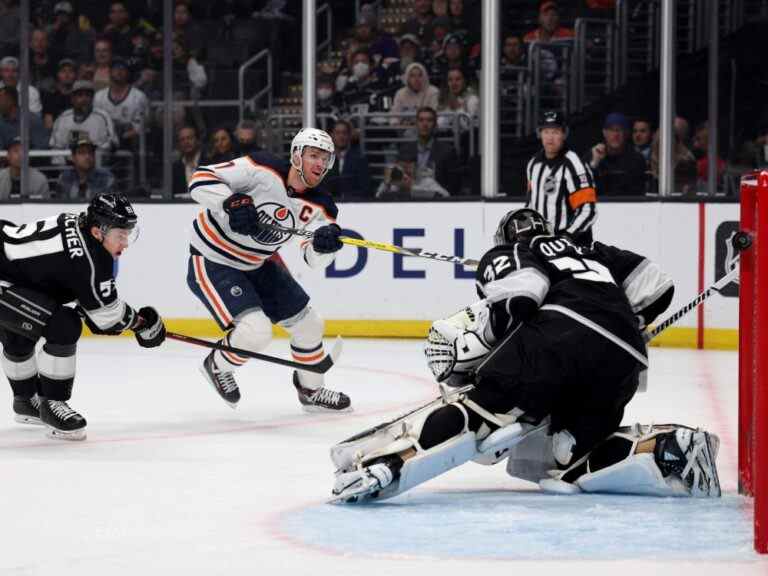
(753, 352)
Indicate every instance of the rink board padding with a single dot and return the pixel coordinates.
(368, 293)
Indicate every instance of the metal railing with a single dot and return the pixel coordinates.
(120, 163)
(595, 63)
(552, 77)
(379, 134)
(264, 55)
(639, 22)
(514, 101)
(326, 44)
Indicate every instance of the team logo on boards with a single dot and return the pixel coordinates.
(725, 256)
(273, 214)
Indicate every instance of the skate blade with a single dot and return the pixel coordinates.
(312, 409)
(347, 498)
(73, 435)
(32, 420)
(232, 405)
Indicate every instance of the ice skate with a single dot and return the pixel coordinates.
(355, 486)
(322, 399)
(222, 381)
(27, 410)
(62, 422)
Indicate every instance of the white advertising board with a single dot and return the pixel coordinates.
(368, 285)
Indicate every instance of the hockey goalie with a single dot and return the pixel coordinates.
(539, 371)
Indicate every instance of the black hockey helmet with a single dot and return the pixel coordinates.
(553, 119)
(110, 211)
(521, 224)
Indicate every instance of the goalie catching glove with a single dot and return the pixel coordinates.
(458, 344)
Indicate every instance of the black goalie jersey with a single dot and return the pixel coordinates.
(611, 291)
(55, 257)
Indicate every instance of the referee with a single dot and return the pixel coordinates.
(560, 185)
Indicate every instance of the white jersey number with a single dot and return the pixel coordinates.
(584, 269)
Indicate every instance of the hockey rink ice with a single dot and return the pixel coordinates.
(172, 481)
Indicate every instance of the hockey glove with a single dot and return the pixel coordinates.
(326, 239)
(243, 216)
(151, 331)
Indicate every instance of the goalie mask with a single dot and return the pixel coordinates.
(520, 225)
(314, 138)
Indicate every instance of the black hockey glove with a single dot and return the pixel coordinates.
(150, 331)
(243, 216)
(326, 239)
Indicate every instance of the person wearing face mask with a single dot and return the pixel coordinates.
(327, 99)
(360, 90)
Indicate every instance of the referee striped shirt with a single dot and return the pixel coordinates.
(562, 189)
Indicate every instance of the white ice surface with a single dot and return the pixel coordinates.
(172, 481)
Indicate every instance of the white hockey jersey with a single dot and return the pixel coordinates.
(130, 111)
(263, 177)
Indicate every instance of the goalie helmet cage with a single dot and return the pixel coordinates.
(753, 353)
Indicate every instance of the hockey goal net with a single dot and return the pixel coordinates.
(753, 353)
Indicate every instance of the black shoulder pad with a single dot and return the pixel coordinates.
(271, 161)
(319, 197)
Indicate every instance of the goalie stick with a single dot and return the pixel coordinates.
(319, 367)
(740, 241)
(383, 246)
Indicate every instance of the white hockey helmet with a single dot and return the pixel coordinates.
(315, 138)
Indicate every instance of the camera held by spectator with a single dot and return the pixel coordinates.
(402, 180)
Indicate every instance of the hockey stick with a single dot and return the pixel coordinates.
(383, 246)
(740, 241)
(319, 367)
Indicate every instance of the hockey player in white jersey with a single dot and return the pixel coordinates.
(545, 363)
(234, 268)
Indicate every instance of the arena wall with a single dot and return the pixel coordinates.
(372, 293)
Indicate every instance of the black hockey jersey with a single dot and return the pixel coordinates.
(57, 258)
(592, 285)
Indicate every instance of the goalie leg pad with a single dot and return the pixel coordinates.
(432, 463)
(348, 452)
(396, 436)
(681, 463)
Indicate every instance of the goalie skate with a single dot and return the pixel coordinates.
(358, 485)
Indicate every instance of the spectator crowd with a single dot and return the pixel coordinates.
(96, 68)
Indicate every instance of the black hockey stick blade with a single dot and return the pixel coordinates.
(319, 367)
